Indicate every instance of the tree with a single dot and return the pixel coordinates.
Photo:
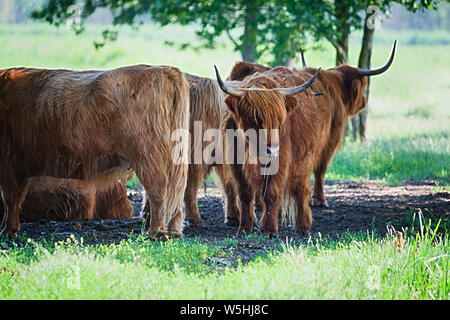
(375, 7)
(253, 26)
(338, 18)
(214, 18)
(17, 11)
(279, 27)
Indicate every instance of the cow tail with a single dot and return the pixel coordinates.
(178, 173)
(288, 209)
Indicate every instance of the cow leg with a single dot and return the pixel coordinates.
(90, 206)
(302, 195)
(157, 229)
(318, 198)
(175, 226)
(269, 221)
(156, 187)
(13, 194)
(232, 210)
(195, 179)
(247, 197)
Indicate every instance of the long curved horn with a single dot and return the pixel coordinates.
(369, 72)
(300, 88)
(303, 59)
(227, 89)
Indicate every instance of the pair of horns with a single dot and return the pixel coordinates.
(365, 72)
(283, 91)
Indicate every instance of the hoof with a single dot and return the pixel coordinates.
(305, 234)
(175, 236)
(243, 232)
(270, 231)
(273, 236)
(194, 222)
(12, 233)
(232, 221)
(159, 236)
(319, 203)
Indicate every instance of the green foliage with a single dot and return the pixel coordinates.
(254, 27)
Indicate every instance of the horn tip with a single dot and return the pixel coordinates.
(219, 78)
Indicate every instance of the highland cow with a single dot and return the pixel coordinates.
(207, 107)
(308, 130)
(60, 122)
(74, 199)
(104, 197)
(336, 105)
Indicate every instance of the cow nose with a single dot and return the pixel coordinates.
(273, 151)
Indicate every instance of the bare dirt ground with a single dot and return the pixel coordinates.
(353, 207)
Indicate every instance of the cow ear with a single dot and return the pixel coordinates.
(232, 105)
(291, 103)
(357, 96)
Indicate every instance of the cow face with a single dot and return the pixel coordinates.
(263, 110)
(261, 113)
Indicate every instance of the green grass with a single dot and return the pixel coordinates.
(362, 266)
(394, 160)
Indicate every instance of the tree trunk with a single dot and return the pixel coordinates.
(341, 44)
(342, 50)
(291, 63)
(360, 120)
(249, 38)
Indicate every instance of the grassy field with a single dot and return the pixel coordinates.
(355, 267)
(409, 138)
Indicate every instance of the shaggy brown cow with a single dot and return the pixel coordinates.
(54, 122)
(207, 107)
(337, 106)
(343, 89)
(243, 69)
(305, 132)
(53, 198)
(75, 199)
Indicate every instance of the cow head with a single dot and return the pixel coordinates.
(355, 82)
(260, 104)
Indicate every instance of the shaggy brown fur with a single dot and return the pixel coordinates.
(298, 121)
(243, 69)
(68, 199)
(343, 97)
(207, 104)
(58, 122)
(309, 137)
(335, 108)
(73, 199)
